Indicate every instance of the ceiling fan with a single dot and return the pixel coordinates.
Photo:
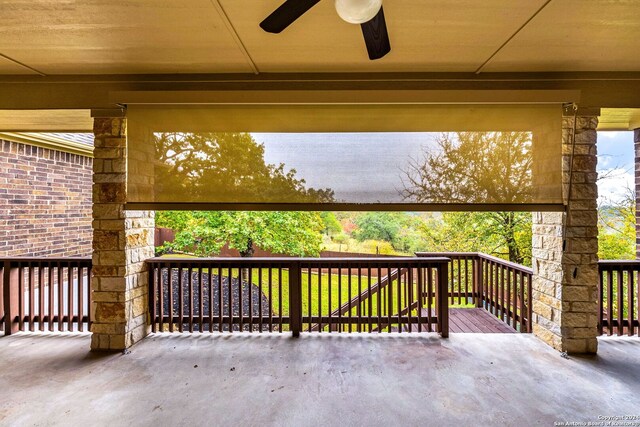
(367, 13)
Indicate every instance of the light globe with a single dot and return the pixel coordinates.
(358, 11)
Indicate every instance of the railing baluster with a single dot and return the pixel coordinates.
(620, 294)
(270, 269)
(430, 293)
(379, 308)
(359, 309)
(190, 296)
(389, 298)
(633, 308)
(610, 302)
(459, 281)
(230, 296)
(241, 297)
(410, 318)
(249, 285)
(260, 319)
(31, 294)
(280, 315)
(70, 297)
(369, 300)
(329, 310)
(339, 328)
(81, 283)
(320, 297)
(309, 300)
(419, 292)
(50, 294)
(200, 302)
(20, 298)
(220, 300)
(211, 299)
(348, 294)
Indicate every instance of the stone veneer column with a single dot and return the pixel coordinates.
(565, 282)
(636, 140)
(122, 240)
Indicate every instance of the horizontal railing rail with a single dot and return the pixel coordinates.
(298, 294)
(619, 297)
(47, 294)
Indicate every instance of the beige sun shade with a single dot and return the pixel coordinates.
(379, 157)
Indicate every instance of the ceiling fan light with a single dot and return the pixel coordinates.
(358, 11)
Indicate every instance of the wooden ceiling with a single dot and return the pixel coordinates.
(53, 37)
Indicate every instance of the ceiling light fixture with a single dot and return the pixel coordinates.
(358, 11)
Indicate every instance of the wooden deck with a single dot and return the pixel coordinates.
(474, 321)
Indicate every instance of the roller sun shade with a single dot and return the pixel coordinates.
(332, 157)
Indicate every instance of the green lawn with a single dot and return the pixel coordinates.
(316, 290)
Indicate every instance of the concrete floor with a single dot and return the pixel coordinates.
(242, 380)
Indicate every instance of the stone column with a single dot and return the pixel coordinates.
(565, 281)
(122, 240)
(636, 140)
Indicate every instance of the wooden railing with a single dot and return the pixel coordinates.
(47, 294)
(323, 295)
(503, 288)
(619, 297)
(506, 291)
(299, 294)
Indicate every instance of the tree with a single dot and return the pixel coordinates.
(230, 167)
(476, 232)
(377, 226)
(478, 167)
(617, 228)
(331, 224)
(205, 233)
(226, 167)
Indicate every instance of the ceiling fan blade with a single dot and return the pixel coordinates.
(286, 14)
(376, 36)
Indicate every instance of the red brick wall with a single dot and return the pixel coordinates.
(45, 202)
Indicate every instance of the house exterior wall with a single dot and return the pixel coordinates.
(45, 201)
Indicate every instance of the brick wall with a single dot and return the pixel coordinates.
(45, 202)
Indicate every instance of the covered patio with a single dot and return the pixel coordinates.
(244, 379)
(129, 72)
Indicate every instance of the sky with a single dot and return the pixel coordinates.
(376, 160)
(615, 165)
(380, 159)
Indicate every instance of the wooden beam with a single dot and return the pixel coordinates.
(612, 90)
(45, 121)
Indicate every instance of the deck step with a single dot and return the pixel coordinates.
(468, 320)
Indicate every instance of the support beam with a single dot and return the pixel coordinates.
(122, 241)
(600, 89)
(565, 251)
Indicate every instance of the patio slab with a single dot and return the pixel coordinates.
(271, 379)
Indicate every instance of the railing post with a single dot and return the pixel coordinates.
(443, 299)
(295, 298)
(478, 291)
(152, 295)
(10, 298)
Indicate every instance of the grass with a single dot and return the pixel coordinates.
(316, 289)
